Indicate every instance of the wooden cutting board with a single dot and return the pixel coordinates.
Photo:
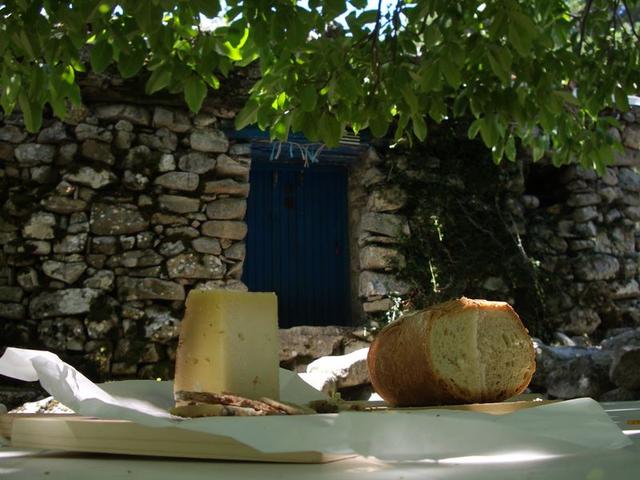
(84, 434)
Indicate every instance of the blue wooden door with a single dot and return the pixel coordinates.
(297, 244)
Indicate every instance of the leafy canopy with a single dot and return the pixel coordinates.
(543, 73)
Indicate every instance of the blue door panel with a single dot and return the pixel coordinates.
(297, 244)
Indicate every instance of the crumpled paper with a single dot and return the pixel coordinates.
(562, 428)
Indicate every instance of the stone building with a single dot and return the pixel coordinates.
(110, 218)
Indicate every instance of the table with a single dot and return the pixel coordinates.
(619, 464)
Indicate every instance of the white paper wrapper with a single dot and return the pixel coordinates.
(561, 428)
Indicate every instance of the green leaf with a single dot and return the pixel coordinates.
(510, 149)
(537, 151)
(333, 8)
(419, 127)
(358, 4)
(101, 55)
(309, 126)
(621, 100)
(522, 32)
(497, 153)
(476, 105)
(130, 62)
(566, 96)
(500, 60)
(10, 89)
(73, 92)
(147, 17)
(266, 113)
(524, 24)
(280, 129)
(195, 90)
(378, 125)
(410, 98)
(247, 115)
(209, 8)
(432, 36)
(474, 128)
(348, 87)
(160, 78)
(460, 105)
(451, 72)
(330, 129)
(367, 17)
(58, 105)
(211, 80)
(430, 77)
(31, 111)
(21, 39)
(489, 131)
(438, 109)
(402, 123)
(308, 98)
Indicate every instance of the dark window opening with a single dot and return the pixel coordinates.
(547, 183)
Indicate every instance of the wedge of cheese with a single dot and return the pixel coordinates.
(229, 344)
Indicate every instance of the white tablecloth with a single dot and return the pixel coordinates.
(618, 464)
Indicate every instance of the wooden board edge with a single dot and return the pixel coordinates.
(498, 408)
(83, 434)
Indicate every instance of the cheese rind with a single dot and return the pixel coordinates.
(229, 343)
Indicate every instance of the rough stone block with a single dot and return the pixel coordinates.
(11, 294)
(179, 204)
(116, 219)
(388, 199)
(596, 267)
(12, 134)
(631, 136)
(230, 229)
(373, 257)
(98, 151)
(185, 181)
(227, 209)
(227, 186)
(229, 167)
(207, 245)
(149, 289)
(40, 226)
(625, 369)
(209, 140)
(190, 265)
(374, 284)
(384, 224)
(197, 162)
(63, 205)
(12, 311)
(70, 301)
(32, 154)
(131, 113)
(91, 177)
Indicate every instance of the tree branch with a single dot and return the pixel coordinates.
(375, 63)
(583, 24)
(628, 12)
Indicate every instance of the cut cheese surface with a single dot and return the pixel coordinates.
(229, 343)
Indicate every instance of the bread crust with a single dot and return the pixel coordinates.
(401, 367)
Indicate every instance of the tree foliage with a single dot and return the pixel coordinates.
(542, 73)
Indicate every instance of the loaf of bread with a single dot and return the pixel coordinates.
(461, 351)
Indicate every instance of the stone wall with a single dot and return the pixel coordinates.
(573, 235)
(107, 221)
(434, 219)
(584, 231)
(377, 226)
